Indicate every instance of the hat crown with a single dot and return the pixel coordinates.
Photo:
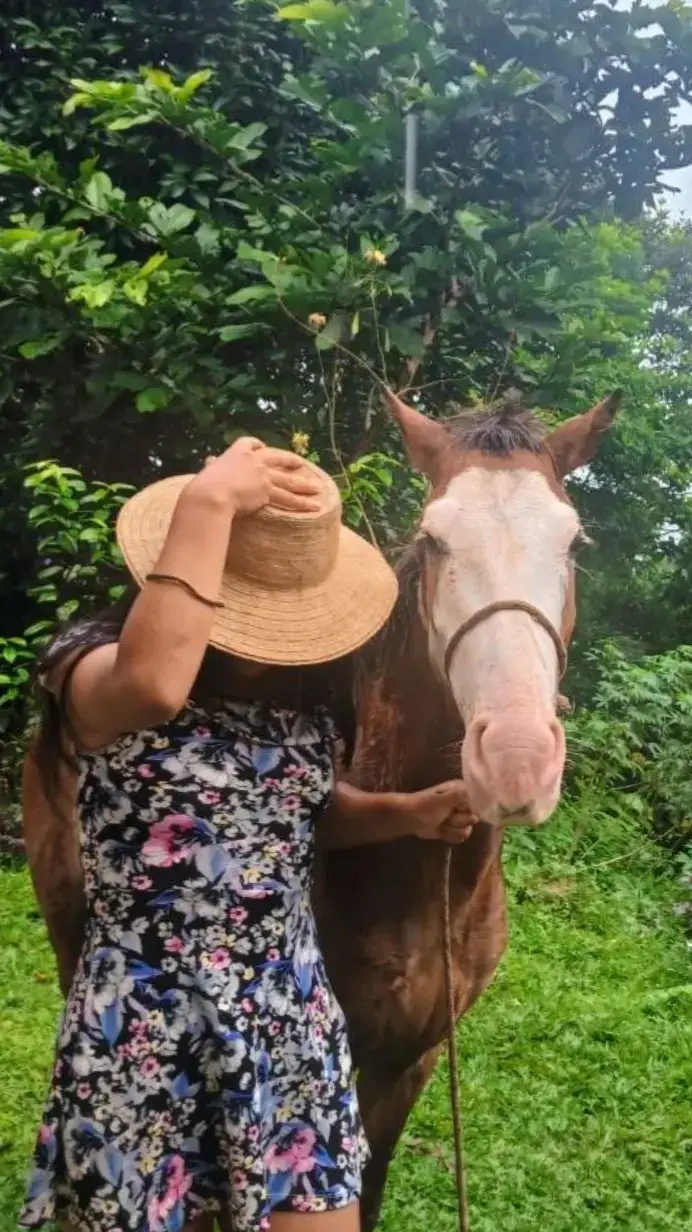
(288, 551)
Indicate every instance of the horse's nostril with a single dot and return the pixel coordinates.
(514, 814)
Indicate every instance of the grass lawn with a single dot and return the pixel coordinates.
(577, 1065)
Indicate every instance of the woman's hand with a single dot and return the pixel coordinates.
(249, 476)
(441, 812)
(357, 818)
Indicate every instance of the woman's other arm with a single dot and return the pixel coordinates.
(357, 818)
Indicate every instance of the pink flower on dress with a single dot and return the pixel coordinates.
(170, 841)
(239, 1180)
(220, 959)
(171, 1183)
(141, 883)
(174, 945)
(148, 1067)
(44, 1134)
(237, 914)
(145, 771)
(291, 803)
(209, 796)
(298, 1156)
(273, 954)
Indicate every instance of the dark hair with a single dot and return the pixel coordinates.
(500, 430)
(329, 685)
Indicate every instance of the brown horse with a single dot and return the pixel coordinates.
(470, 661)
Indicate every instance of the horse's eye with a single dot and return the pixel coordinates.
(436, 547)
(579, 543)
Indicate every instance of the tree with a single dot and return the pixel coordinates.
(189, 248)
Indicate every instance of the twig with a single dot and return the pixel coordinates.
(377, 332)
(338, 346)
(509, 346)
(338, 456)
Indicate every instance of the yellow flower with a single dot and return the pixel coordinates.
(300, 443)
(147, 1164)
(317, 320)
(375, 256)
(252, 875)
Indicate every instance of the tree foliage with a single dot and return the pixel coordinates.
(203, 232)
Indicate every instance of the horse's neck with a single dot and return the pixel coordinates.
(409, 730)
(409, 737)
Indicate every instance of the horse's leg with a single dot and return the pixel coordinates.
(386, 1100)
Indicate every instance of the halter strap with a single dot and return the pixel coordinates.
(508, 605)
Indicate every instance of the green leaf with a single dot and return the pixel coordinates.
(93, 294)
(40, 346)
(247, 136)
(471, 224)
(75, 101)
(155, 262)
(136, 289)
(194, 83)
(332, 333)
(160, 80)
(208, 238)
(324, 11)
(99, 191)
(248, 295)
(121, 123)
(231, 333)
(152, 399)
(168, 220)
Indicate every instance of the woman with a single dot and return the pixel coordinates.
(203, 1069)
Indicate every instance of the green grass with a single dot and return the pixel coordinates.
(29, 1005)
(577, 1064)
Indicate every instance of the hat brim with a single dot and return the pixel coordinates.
(267, 625)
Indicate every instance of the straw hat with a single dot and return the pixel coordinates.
(298, 588)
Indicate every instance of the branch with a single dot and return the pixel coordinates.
(450, 299)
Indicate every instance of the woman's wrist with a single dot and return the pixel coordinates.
(208, 494)
(393, 807)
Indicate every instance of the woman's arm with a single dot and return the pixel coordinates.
(145, 678)
(357, 818)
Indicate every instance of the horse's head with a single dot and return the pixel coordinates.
(497, 589)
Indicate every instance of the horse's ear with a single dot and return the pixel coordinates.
(425, 439)
(576, 442)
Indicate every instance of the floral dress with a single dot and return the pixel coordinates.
(202, 1060)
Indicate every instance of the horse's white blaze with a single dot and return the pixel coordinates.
(507, 536)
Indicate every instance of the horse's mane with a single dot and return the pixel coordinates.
(502, 429)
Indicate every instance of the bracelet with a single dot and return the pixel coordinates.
(176, 581)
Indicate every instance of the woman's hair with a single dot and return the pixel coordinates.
(330, 685)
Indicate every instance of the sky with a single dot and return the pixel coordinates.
(680, 202)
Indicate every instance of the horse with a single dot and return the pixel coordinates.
(464, 677)
(462, 680)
